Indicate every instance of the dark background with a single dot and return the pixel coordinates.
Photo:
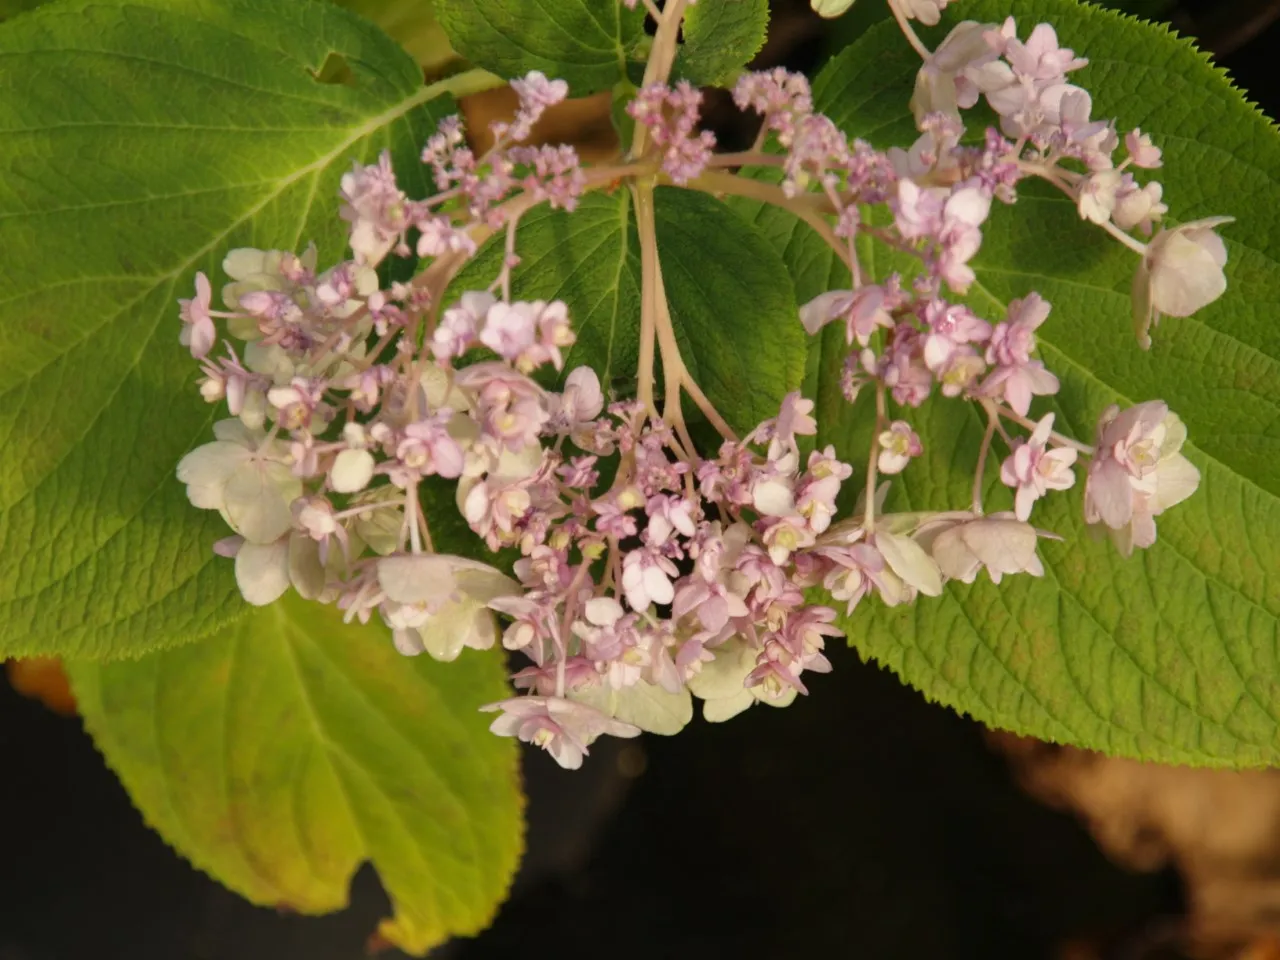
(860, 822)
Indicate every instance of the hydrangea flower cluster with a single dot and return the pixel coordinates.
(652, 571)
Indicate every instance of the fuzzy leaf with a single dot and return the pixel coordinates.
(148, 138)
(1170, 655)
(281, 752)
(737, 328)
(586, 43)
(720, 38)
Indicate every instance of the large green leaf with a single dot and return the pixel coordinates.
(735, 324)
(587, 43)
(720, 38)
(1170, 655)
(283, 751)
(139, 141)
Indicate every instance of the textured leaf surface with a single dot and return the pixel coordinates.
(1170, 655)
(584, 42)
(281, 752)
(410, 23)
(720, 38)
(139, 141)
(731, 298)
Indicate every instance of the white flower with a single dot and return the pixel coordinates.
(721, 683)
(1180, 273)
(1139, 207)
(898, 445)
(913, 566)
(773, 496)
(244, 477)
(264, 571)
(437, 603)
(830, 8)
(641, 704)
(352, 471)
(1000, 542)
(646, 578)
(942, 85)
(582, 399)
(1098, 195)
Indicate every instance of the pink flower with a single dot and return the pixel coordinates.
(1142, 152)
(783, 536)
(951, 326)
(918, 211)
(564, 728)
(536, 93)
(376, 209)
(198, 331)
(427, 448)
(864, 311)
(712, 601)
(963, 214)
(1137, 472)
(671, 115)
(509, 329)
(1017, 376)
(458, 329)
(855, 570)
(1032, 469)
(1180, 273)
(795, 418)
(928, 12)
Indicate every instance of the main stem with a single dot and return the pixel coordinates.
(662, 56)
(642, 195)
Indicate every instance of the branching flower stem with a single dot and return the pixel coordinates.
(1055, 176)
(656, 328)
(869, 511)
(803, 207)
(979, 472)
(916, 43)
(1060, 439)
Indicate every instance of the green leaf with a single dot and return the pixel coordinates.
(720, 38)
(1170, 655)
(11, 8)
(586, 43)
(139, 142)
(280, 753)
(736, 326)
(410, 23)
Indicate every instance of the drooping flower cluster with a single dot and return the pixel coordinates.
(651, 571)
(912, 338)
(1053, 136)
